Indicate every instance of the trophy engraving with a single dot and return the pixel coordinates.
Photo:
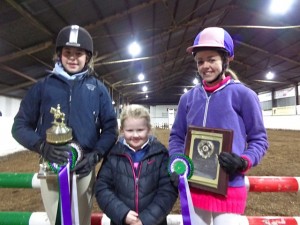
(205, 148)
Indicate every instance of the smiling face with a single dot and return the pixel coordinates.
(209, 64)
(136, 132)
(73, 59)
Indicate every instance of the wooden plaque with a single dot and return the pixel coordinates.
(203, 146)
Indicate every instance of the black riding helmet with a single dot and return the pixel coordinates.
(74, 36)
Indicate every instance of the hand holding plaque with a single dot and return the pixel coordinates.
(232, 163)
(203, 146)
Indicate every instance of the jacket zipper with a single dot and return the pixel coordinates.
(136, 182)
(207, 101)
(206, 110)
(137, 188)
(70, 102)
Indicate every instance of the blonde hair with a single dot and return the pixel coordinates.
(230, 72)
(134, 111)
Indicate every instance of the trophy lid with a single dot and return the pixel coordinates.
(59, 133)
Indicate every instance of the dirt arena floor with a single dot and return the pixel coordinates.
(282, 159)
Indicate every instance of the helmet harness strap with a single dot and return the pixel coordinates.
(224, 67)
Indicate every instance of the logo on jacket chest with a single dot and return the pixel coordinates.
(90, 87)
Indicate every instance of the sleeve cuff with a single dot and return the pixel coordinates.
(248, 166)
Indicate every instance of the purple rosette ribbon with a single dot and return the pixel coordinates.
(63, 172)
(65, 199)
(183, 166)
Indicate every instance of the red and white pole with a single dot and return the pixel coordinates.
(270, 220)
(272, 184)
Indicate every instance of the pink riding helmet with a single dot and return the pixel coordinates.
(215, 37)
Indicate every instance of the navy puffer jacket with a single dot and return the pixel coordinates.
(148, 191)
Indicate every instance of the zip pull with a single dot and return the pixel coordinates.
(95, 116)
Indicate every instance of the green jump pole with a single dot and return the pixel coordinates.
(14, 218)
(19, 180)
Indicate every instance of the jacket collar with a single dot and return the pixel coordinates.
(211, 89)
(59, 70)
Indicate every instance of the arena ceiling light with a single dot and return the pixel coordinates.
(145, 88)
(280, 6)
(270, 75)
(134, 49)
(141, 77)
(195, 81)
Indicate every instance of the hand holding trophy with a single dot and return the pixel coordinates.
(61, 155)
(58, 150)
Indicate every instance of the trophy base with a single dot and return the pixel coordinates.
(46, 173)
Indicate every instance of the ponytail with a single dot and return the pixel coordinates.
(231, 73)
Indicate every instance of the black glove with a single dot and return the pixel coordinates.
(53, 153)
(174, 179)
(232, 163)
(85, 166)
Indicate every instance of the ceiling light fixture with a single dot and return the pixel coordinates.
(134, 49)
(141, 77)
(270, 75)
(195, 81)
(280, 6)
(144, 88)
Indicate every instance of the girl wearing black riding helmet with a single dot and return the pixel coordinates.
(221, 102)
(88, 111)
(83, 46)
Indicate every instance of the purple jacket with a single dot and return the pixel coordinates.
(232, 106)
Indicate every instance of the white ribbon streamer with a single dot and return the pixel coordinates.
(75, 210)
(195, 220)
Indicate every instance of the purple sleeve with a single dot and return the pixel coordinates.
(179, 128)
(257, 141)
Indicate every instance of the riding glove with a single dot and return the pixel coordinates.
(53, 153)
(232, 163)
(85, 166)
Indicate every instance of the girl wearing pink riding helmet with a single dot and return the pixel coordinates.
(221, 101)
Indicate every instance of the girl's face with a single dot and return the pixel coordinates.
(209, 64)
(73, 59)
(136, 132)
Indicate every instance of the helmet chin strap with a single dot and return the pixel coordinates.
(224, 66)
(218, 78)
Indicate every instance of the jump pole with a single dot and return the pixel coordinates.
(253, 183)
(40, 218)
(272, 184)
(19, 180)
